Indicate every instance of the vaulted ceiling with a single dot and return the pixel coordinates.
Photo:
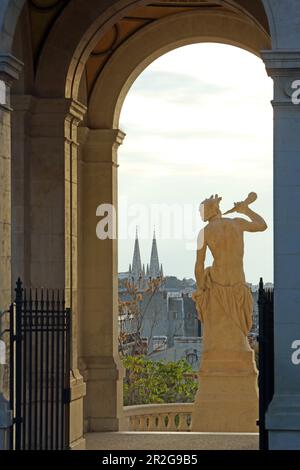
(44, 13)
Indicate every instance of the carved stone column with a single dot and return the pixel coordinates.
(283, 416)
(99, 282)
(53, 220)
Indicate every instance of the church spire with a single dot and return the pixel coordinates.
(154, 271)
(161, 271)
(136, 268)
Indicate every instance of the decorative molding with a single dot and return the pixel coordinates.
(99, 140)
(284, 67)
(111, 47)
(278, 61)
(97, 137)
(56, 117)
(59, 106)
(77, 110)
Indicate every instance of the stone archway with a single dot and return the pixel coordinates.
(73, 170)
(99, 140)
(52, 113)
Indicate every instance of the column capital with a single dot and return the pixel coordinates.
(281, 62)
(284, 67)
(66, 107)
(10, 68)
(100, 145)
(77, 111)
(50, 114)
(98, 137)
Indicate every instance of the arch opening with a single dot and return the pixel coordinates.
(110, 83)
(226, 147)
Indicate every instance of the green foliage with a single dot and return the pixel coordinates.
(148, 382)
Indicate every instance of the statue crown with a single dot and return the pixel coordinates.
(212, 201)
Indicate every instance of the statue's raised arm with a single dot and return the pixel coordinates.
(257, 224)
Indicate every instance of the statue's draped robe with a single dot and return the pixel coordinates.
(225, 313)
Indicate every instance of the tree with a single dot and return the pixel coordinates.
(148, 382)
(131, 308)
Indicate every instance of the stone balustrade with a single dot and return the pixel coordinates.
(169, 417)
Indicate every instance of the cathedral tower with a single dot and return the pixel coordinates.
(136, 273)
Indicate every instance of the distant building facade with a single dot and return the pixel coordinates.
(169, 322)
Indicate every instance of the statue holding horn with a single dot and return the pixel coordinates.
(224, 305)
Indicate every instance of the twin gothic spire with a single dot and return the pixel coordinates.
(137, 271)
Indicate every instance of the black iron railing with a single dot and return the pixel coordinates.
(266, 359)
(40, 344)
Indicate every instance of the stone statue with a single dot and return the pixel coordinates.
(224, 301)
(224, 304)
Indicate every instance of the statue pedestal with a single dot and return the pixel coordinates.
(227, 397)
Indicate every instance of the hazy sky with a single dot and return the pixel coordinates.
(198, 121)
